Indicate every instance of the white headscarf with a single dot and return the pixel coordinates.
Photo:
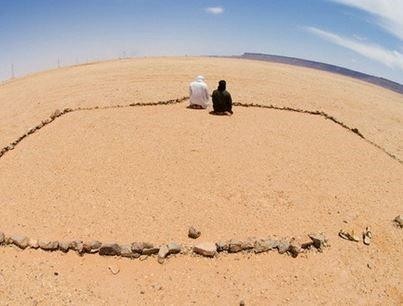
(200, 78)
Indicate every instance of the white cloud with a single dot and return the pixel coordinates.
(388, 13)
(390, 58)
(215, 10)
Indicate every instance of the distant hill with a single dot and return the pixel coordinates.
(326, 67)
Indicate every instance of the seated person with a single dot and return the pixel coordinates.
(222, 101)
(199, 94)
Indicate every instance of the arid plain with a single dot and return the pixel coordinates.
(148, 173)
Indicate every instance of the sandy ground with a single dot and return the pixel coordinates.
(148, 173)
(375, 111)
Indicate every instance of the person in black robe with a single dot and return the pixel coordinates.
(222, 101)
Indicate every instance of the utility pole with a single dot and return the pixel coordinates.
(12, 71)
(58, 63)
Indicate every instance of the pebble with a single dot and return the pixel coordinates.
(207, 249)
(109, 249)
(48, 245)
(193, 233)
(399, 221)
(20, 241)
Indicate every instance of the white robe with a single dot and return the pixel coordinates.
(199, 93)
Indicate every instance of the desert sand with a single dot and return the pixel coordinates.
(148, 173)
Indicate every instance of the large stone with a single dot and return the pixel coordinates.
(265, 245)
(48, 245)
(109, 249)
(207, 249)
(319, 240)
(193, 233)
(20, 241)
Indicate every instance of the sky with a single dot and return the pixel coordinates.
(363, 35)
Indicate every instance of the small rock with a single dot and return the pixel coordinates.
(248, 244)
(207, 249)
(399, 221)
(95, 245)
(2, 237)
(55, 114)
(114, 269)
(319, 240)
(242, 303)
(294, 248)
(109, 249)
(126, 251)
(78, 246)
(283, 246)
(163, 253)
(222, 246)
(193, 233)
(48, 245)
(20, 241)
(174, 248)
(235, 246)
(33, 243)
(64, 246)
(137, 247)
(150, 251)
(264, 245)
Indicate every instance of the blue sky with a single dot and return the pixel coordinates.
(364, 35)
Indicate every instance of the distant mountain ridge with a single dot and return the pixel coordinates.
(385, 83)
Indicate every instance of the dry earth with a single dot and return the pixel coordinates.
(148, 173)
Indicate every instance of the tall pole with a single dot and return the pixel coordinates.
(58, 63)
(12, 71)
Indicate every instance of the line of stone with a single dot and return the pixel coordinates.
(324, 115)
(59, 113)
(65, 111)
(143, 250)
